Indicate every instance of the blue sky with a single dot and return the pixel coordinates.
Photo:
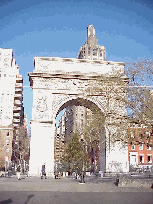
(58, 28)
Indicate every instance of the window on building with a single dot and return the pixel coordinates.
(81, 122)
(17, 131)
(149, 159)
(7, 142)
(148, 148)
(141, 159)
(141, 146)
(7, 150)
(133, 147)
(132, 134)
(8, 134)
(140, 135)
(147, 135)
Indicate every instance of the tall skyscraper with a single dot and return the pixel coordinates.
(91, 50)
(11, 83)
(11, 106)
(76, 119)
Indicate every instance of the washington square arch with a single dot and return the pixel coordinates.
(61, 82)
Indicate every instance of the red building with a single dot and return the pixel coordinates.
(139, 151)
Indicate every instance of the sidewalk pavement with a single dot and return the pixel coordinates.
(61, 185)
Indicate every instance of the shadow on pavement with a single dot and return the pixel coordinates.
(29, 196)
(10, 200)
(6, 201)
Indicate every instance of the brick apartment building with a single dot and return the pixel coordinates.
(139, 152)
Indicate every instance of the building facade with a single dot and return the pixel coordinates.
(76, 119)
(91, 50)
(11, 106)
(60, 140)
(6, 137)
(139, 152)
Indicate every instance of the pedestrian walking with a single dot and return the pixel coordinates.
(19, 172)
(43, 172)
(10, 171)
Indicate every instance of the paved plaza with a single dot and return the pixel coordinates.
(68, 190)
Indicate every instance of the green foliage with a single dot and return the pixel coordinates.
(72, 158)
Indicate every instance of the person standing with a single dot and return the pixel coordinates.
(43, 172)
(18, 172)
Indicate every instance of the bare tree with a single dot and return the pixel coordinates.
(20, 145)
(140, 96)
(128, 100)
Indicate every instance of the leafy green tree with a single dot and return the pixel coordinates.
(74, 152)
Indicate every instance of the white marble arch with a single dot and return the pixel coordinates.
(58, 83)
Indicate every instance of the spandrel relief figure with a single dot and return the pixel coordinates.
(42, 107)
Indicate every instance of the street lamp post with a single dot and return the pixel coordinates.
(94, 151)
(5, 168)
(82, 176)
(94, 160)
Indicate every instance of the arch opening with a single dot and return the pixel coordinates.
(80, 102)
(96, 152)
